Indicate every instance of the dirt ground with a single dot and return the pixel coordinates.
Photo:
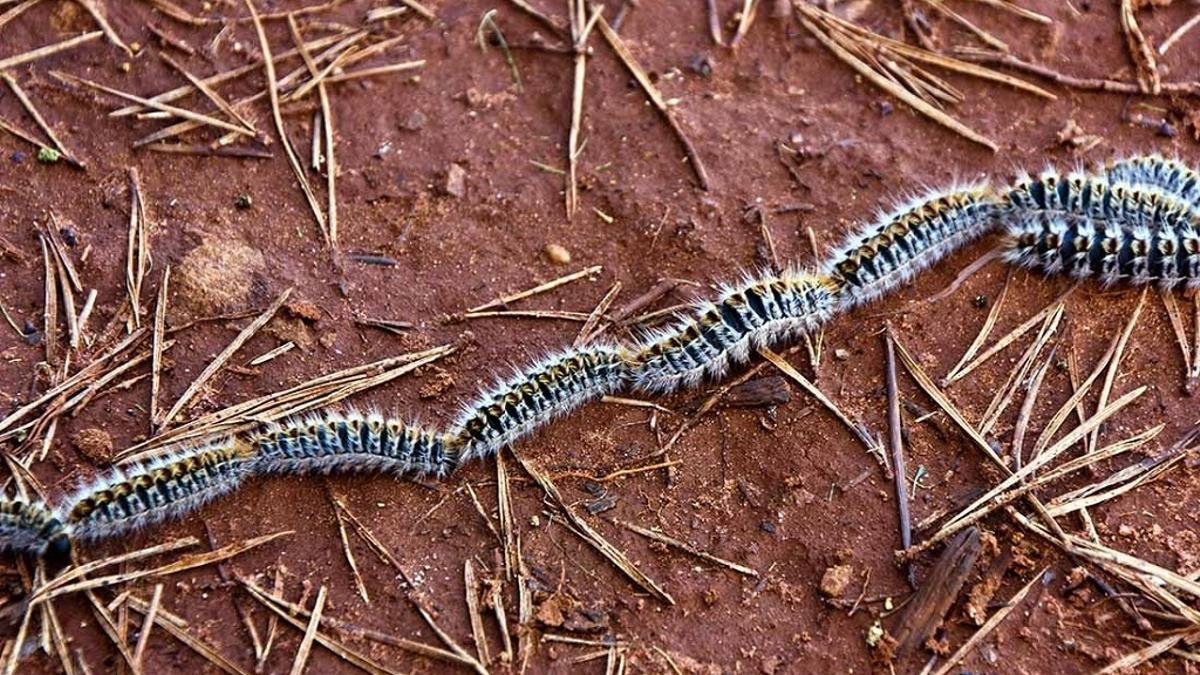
(778, 489)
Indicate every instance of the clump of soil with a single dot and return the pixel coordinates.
(217, 276)
(95, 444)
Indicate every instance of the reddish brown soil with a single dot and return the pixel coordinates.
(755, 487)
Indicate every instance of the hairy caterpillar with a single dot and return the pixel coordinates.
(899, 244)
(1076, 197)
(1168, 175)
(31, 528)
(338, 443)
(1137, 221)
(128, 499)
(1087, 248)
(534, 396)
(755, 313)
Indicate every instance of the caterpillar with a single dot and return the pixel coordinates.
(532, 397)
(899, 244)
(32, 528)
(759, 311)
(181, 481)
(350, 442)
(1077, 196)
(1137, 220)
(1087, 248)
(1168, 175)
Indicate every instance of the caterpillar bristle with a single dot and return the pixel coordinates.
(175, 484)
(535, 395)
(899, 244)
(758, 312)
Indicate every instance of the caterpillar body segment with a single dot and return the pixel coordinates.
(31, 528)
(758, 312)
(1103, 250)
(537, 394)
(1168, 175)
(128, 499)
(1078, 197)
(352, 443)
(899, 244)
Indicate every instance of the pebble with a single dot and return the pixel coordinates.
(557, 254)
(841, 354)
(456, 181)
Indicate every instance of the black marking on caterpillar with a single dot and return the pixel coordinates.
(532, 397)
(758, 312)
(31, 528)
(1089, 248)
(168, 487)
(344, 443)
(899, 244)
(1167, 175)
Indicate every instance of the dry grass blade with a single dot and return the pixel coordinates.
(219, 360)
(549, 314)
(541, 288)
(1017, 376)
(358, 580)
(27, 103)
(588, 331)
(1178, 33)
(581, 28)
(873, 444)
(16, 11)
(224, 76)
(610, 552)
(1013, 8)
(136, 256)
(1005, 493)
(1114, 364)
(1194, 376)
(81, 570)
(42, 52)
(310, 633)
(160, 327)
(176, 627)
(986, 37)
(284, 139)
(504, 514)
(318, 392)
(656, 98)
(905, 50)
(331, 167)
(1177, 327)
(896, 439)
(1075, 402)
(686, 548)
(282, 606)
(183, 564)
(807, 14)
(1144, 59)
(184, 113)
(139, 653)
(211, 94)
(990, 625)
(460, 655)
(1126, 479)
(1130, 662)
(745, 20)
(50, 305)
(1009, 338)
(1025, 414)
(285, 611)
(471, 585)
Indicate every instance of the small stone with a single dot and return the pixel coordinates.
(534, 521)
(557, 254)
(95, 444)
(841, 354)
(835, 580)
(135, 47)
(243, 202)
(126, 66)
(48, 156)
(456, 181)
(19, 156)
(980, 301)
(767, 526)
(415, 121)
(701, 64)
